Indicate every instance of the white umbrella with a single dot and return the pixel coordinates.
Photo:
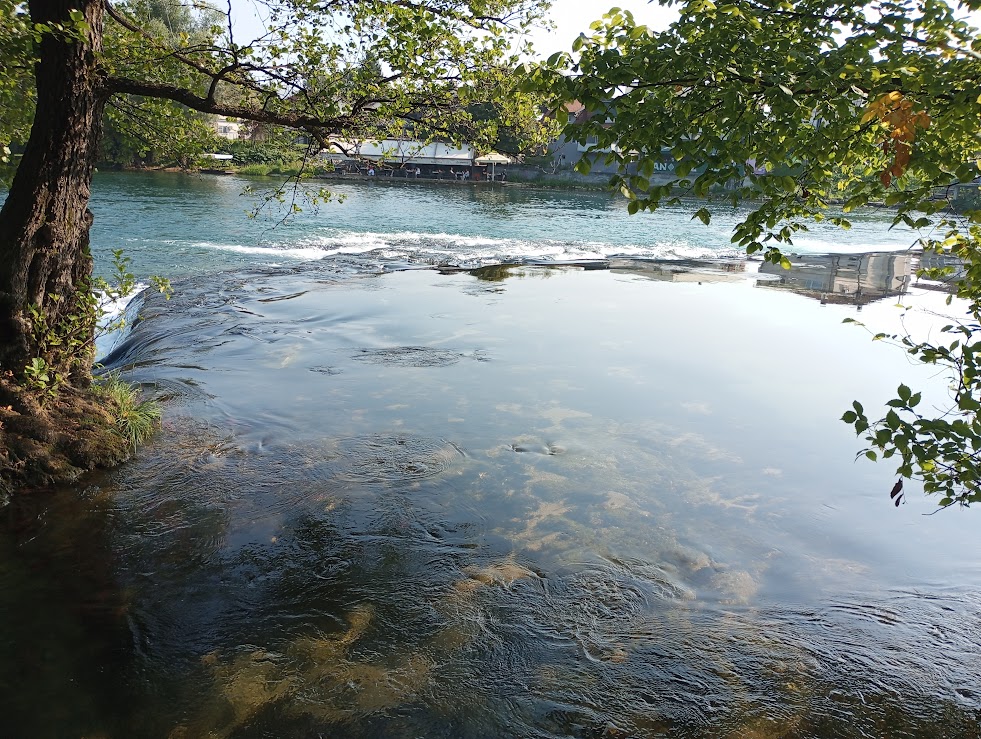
(493, 159)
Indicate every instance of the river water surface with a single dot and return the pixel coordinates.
(401, 491)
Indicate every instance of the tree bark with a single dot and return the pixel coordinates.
(44, 225)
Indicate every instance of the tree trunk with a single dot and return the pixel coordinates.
(45, 261)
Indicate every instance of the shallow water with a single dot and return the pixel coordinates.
(606, 499)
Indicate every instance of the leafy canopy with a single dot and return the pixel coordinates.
(346, 68)
(17, 38)
(141, 130)
(353, 68)
(807, 110)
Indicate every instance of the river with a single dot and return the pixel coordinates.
(402, 491)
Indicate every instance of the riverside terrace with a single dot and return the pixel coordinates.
(417, 160)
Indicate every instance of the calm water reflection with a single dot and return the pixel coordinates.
(855, 279)
(524, 501)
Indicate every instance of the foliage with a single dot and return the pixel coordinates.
(136, 418)
(19, 37)
(436, 69)
(944, 452)
(40, 378)
(512, 135)
(142, 131)
(276, 148)
(153, 133)
(136, 130)
(74, 335)
(119, 287)
(16, 83)
(349, 68)
(796, 106)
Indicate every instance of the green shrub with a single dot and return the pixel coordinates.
(136, 418)
(290, 169)
(256, 170)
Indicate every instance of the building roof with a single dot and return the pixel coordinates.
(402, 151)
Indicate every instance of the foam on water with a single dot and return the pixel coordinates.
(299, 253)
(124, 307)
(460, 249)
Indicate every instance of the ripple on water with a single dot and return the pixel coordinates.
(390, 458)
(520, 592)
(410, 356)
(176, 392)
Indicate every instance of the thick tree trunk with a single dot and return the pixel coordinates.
(44, 224)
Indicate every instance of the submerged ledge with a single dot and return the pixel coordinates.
(74, 435)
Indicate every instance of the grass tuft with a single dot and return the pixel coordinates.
(258, 170)
(136, 419)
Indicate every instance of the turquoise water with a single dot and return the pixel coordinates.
(610, 498)
(178, 224)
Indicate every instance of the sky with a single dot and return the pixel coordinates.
(573, 17)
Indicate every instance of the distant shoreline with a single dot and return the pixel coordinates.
(516, 176)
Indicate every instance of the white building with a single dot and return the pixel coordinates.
(226, 128)
(399, 152)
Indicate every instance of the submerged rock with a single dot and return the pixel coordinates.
(501, 573)
(314, 677)
(738, 586)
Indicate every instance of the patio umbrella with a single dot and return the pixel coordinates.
(493, 159)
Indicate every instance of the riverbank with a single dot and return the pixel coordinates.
(515, 174)
(56, 442)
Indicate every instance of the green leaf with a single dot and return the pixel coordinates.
(892, 420)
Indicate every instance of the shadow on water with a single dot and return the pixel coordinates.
(397, 506)
(67, 638)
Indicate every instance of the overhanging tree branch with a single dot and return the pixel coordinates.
(204, 104)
